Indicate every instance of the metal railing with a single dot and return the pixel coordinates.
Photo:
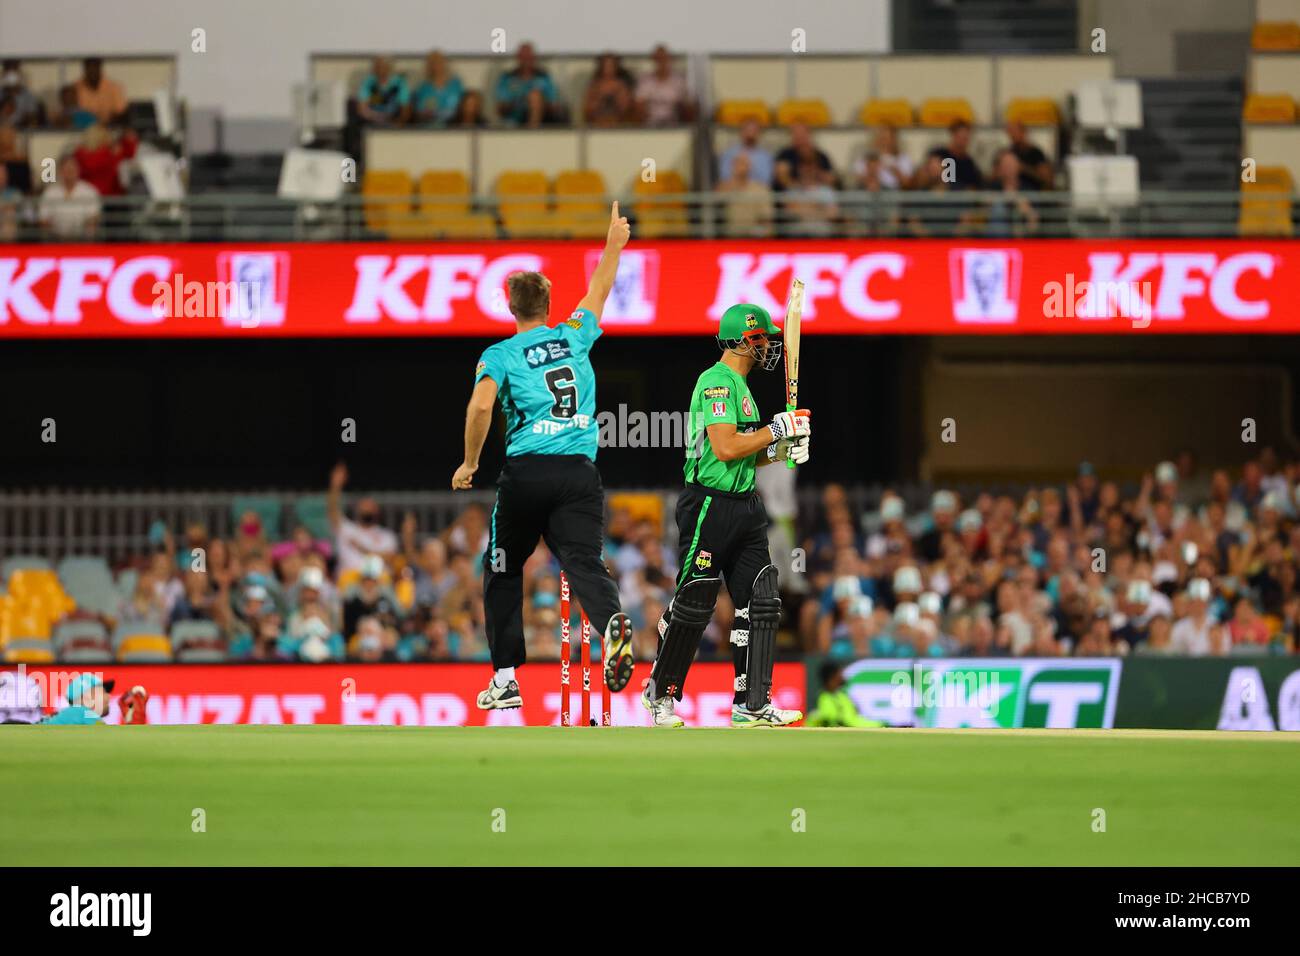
(116, 525)
(226, 217)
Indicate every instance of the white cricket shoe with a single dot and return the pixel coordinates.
(661, 710)
(500, 698)
(769, 716)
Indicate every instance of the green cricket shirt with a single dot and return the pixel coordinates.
(721, 396)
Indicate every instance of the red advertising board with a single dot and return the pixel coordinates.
(852, 287)
(385, 694)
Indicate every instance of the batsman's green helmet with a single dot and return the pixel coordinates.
(745, 318)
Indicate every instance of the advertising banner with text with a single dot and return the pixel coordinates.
(385, 694)
(664, 288)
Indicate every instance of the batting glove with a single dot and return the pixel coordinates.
(791, 424)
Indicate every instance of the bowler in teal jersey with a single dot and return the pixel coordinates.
(549, 487)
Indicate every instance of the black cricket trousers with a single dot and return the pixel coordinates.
(560, 499)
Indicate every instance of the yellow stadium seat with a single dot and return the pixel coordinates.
(347, 578)
(585, 215)
(662, 223)
(1266, 213)
(945, 112)
(640, 506)
(1269, 108)
(29, 655)
(735, 112)
(1275, 36)
(153, 644)
(26, 582)
(386, 194)
(1035, 111)
(27, 624)
(523, 203)
(444, 194)
(474, 225)
(887, 113)
(808, 112)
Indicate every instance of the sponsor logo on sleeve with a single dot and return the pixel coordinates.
(704, 560)
(717, 391)
(719, 409)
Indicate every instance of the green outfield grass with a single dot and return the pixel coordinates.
(374, 795)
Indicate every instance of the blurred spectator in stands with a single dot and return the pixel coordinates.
(471, 110)
(100, 95)
(965, 174)
(69, 208)
(315, 641)
(761, 163)
(1246, 626)
(810, 204)
(468, 534)
(1191, 633)
(943, 515)
(433, 576)
(609, 93)
(384, 97)
(1096, 641)
(662, 98)
(891, 168)
(71, 114)
(427, 638)
(436, 100)
(463, 604)
(197, 602)
(1034, 169)
(525, 96)
(144, 607)
(263, 641)
(372, 643)
(303, 544)
(100, 159)
(10, 202)
(926, 219)
(1010, 215)
(14, 159)
(370, 597)
(1159, 642)
(802, 164)
(24, 106)
(1250, 490)
(747, 207)
(356, 539)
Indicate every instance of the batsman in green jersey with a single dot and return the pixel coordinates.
(722, 526)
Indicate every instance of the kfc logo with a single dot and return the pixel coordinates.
(259, 288)
(636, 287)
(985, 285)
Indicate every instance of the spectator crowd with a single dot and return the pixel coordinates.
(64, 201)
(794, 191)
(1191, 563)
(1188, 564)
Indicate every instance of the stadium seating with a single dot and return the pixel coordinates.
(1269, 108)
(145, 649)
(524, 202)
(584, 212)
(1284, 36)
(22, 650)
(944, 111)
(1034, 111)
(1271, 215)
(808, 112)
(887, 113)
(387, 196)
(736, 112)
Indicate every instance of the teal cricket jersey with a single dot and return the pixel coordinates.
(547, 388)
(74, 714)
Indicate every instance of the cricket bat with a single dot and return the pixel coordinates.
(793, 315)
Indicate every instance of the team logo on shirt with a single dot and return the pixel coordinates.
(719, 409)
(478, 369)
(746, 407)
(704, 560)
(717, 391)
(547, 352)
(574, 321)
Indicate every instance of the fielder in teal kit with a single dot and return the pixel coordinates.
(547, 388)
(549, 487)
